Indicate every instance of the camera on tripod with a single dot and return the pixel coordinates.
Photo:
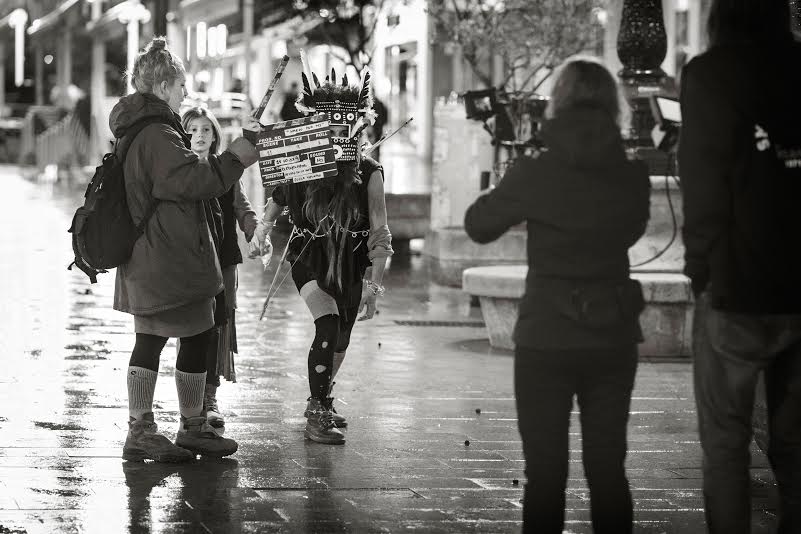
(510, 118)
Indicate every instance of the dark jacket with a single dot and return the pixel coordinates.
(236, 208)
(585, 204)
(175, 261)
(741, 222)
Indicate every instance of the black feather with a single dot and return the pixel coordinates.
(316, 80)
(306, 86)
(344, 80)
(364, 94)
(333, 75)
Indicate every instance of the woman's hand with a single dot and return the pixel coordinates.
(261, 245)
(370, 293)
(250, 224)
(367, 303)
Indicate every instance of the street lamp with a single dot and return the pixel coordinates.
(642, 47)
(17, 20)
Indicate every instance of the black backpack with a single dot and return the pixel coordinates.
(103, 232)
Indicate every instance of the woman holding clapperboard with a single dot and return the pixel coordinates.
(340, 229)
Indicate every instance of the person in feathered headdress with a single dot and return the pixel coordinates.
(340, 240)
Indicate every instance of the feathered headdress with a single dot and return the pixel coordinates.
(349, 107)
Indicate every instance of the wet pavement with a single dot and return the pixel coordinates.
(432, 444)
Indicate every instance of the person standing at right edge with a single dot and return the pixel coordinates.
(740, 166)
(170, 281)
(585, 203)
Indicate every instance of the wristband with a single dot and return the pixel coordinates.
(375, 288)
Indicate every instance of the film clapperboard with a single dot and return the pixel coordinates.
(299, 150)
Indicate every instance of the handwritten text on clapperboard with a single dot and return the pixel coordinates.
(296, 151)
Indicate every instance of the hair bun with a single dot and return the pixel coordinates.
(158, 43)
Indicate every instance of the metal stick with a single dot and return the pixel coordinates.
(259, 111)
(275, 277)
(385, 137)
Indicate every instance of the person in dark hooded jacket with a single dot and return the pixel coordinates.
(585, 203)
(170, 281)
(740, 164)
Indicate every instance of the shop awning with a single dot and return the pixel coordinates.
(53, 19)
(111, 22)
(194, 11)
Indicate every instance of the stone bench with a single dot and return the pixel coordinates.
(666, 320)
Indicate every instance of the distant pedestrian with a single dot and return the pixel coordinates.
(339, 245)
(173, 275)
(740, 164)
(584, 204)
(203, 128)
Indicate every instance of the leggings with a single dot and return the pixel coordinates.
(191, 355)
(333, 326)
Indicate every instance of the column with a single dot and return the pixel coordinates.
(63, 66)
(613, 11)
(2, 77)
(98, 95)
(247, 30)
(426, 80)
(98, 86)
(133, 46)
(38, 73)
(669, 9)
(695, 29)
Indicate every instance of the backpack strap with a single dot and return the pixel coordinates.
(121, 151)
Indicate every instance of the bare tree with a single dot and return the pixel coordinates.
(348, 24)
(530, 37)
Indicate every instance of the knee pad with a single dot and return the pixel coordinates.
(318, 301)
(326, 332)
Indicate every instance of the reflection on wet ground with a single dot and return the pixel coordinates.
(432, 444)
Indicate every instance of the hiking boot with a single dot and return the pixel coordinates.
(145, 443)
(320, 428)
(213, 415)
(314, 405)
(196, 435)
(339, 420)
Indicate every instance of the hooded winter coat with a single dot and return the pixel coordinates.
(741, 121)
(175, 262)
(585, 204)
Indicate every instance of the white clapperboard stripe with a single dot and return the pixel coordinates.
(296, 151)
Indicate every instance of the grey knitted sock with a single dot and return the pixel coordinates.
(141, 386)
(191, 387)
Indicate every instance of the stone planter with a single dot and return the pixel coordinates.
(666, 320)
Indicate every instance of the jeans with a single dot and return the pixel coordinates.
(730, 350)
(545, 384)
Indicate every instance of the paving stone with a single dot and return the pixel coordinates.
(411, 405)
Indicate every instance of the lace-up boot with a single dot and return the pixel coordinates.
(314, 405)
(320, 427)
(196, 435)
(145, 443)
(213, 415)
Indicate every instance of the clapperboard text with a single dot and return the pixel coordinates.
(295, 151)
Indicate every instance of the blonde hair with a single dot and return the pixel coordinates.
(199, 112)
(585, 82)
(155, 64)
